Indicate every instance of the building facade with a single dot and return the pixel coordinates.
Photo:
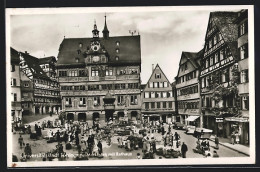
(40, 93)
(90, 68)
(157, 98)
(240, 122)
(218, 73)
(188, 89)
(16, 108)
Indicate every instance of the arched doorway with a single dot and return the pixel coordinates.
(70, 117)
(134, 115)
(82, 117)
(37, 110)
(47, 109)
(109, 115)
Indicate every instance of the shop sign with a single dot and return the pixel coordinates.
(219, 120)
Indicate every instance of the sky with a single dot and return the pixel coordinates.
(164, 34)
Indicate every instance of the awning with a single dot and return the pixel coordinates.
(192, 118)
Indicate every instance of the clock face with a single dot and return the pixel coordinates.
(95, 46)
(96, 58)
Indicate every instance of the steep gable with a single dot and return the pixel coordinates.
(153, 78)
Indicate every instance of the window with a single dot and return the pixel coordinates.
(244, 76)
(26, 84)
(146, 105)
(120, 100)
(202, 83)
(165, 84)
(12, 68)
(170, 104)
(151, 85)
(221, 56)
(96, 101)
(164, 94)
(216, 57)
(156, 84)
(243, 28)
(152, 94)
(117, 58)
(117, 43)
(210, 43)
(215, 39)
(82, 73)
(157, 94)
(82, 101)
(93, 87)
(134, 100)
(152, 105)
(243, 51)
(117, 50)
(164, 104)
(73, 73)
(14, 97)
(146, 95)
(13, 82)
(62, 73)
(25, 94)
(245, 103)
(80, 45)
(157, 76)
(94, 71)
(158, 105)
(211, 61)
(68, 101)
(109, 71)
(161, 84)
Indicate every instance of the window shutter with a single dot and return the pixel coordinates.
(246, 26)
(239, 31)
(247, 102)
(246, 75)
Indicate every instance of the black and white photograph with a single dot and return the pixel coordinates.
(130, 86)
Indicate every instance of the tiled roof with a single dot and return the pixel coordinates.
(46, 60)
(225, 22)
(129, 49)
(33, 65)
(14, 56)
(192, 57)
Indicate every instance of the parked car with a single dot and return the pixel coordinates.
(202, 133)
(190, 129)
(178, 125)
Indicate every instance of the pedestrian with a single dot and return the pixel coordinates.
(50, 113)
(184, 149)
(99, 145)
(27, 151)
(58, 135)
(138, 156)
(217, 142)
(233, 138)
(20, 141)
(215, 154)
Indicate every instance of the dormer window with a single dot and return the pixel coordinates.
(157, 76)
(117, 58)
(80, 45)
(117, 43)
(117, 50)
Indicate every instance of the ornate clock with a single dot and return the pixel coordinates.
(95, 46)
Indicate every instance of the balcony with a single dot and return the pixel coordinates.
(73, 79)
(26, 99)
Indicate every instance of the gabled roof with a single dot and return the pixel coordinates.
(14, 56)
(192, 57)
(129, 49)
(225, 22)
(153, 74)
(46, 60)
(33, 65)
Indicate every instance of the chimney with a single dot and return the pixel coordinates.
(26, 52)
(152, 67)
